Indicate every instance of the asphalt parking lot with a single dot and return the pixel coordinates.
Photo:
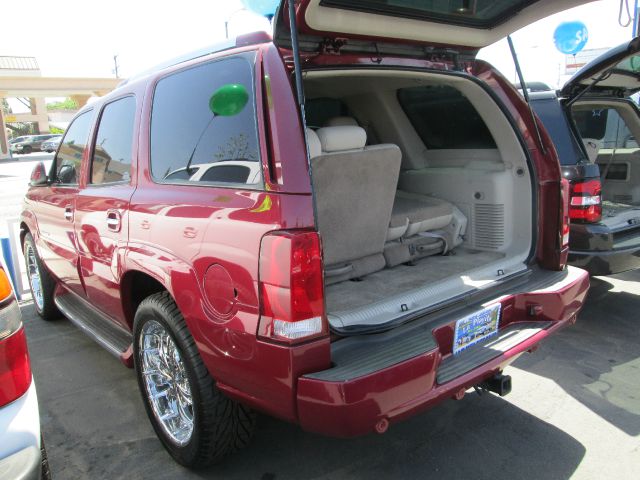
(574, 413)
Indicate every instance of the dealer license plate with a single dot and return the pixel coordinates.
(475, 327)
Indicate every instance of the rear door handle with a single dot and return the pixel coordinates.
(68, 212)
(114, 220)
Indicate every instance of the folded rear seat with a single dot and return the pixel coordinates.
(419, 213)
(354, 188)
(420, 225)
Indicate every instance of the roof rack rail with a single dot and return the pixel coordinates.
(244, 40)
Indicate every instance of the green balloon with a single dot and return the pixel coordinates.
(229, 100)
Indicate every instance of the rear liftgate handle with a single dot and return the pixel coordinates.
(114, 220)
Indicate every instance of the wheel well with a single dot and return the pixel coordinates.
(134, 288)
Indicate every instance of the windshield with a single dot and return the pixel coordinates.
(475, 13)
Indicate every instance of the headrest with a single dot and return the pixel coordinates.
(335, 139)
(315, 149)
(593, 146)
(341, 122)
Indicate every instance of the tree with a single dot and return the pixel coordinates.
(66, 104)
(6, 108)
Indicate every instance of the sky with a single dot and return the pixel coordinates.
(80, 38)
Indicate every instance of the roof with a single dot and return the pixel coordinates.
(19, 66)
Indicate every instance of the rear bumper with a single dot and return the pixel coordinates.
(354, 406)
(25, 464)
(606, 262)
(20, 456)
(602, 251)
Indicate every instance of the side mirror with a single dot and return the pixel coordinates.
(38, 175)
(67, 174)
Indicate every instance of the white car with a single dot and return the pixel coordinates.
(22, 454)
(233, 171)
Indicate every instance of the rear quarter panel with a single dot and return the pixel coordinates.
(180, 234)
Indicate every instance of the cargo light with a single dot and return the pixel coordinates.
(291, 287)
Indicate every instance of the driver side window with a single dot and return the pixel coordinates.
(69, 157)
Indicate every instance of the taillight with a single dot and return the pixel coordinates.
(15, 370)
(586, 201)
(291, 287)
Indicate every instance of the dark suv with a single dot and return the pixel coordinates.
(381, 231)
(31, 143)
(594, 125)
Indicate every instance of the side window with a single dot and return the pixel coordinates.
(444, 118)
(111, 161)
(72, 147)
(188, 140)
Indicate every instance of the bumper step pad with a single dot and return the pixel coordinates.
(357, 356)
(457, 365)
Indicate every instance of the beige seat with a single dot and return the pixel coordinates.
(342, 122)
(354, 188)
(411, 213)
(420, 213)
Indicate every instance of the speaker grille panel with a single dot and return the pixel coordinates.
(488, 231)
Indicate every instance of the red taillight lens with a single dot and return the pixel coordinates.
(586, 201)
(15, 370)
(291, 287)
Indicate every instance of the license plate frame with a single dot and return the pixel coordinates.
(476, 327)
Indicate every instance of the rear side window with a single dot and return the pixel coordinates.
(319, 110)
(69, 157)
(111, 161)
(554, 120)
(189, 143)
(444, 118)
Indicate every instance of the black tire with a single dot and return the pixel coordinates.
(220, 425)
(27, 149)
(48, 310)
(45, 472)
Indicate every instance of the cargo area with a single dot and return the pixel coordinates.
(422, 190)
(609, 130)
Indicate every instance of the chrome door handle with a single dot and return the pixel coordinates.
(68, 213)
(114, 220)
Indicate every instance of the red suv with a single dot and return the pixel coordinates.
(384, 228)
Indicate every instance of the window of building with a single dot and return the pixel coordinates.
(67, 161)
(187, 139)
(111, 161)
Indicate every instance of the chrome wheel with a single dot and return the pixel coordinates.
(166, 383)
(34, 277)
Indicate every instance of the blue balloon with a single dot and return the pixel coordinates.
(571, 37)
(266, 8)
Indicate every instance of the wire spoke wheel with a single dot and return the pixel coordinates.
(34, 277)
(166, 383)
(195, 422)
